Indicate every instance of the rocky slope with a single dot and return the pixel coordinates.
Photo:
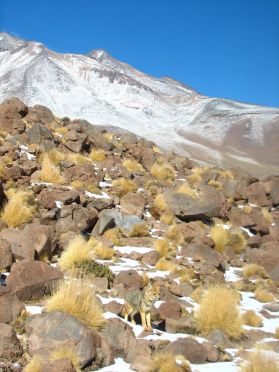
(149, 217)
(104, 91)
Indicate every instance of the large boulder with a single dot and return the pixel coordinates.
(10, 306)
(120, 339)
(189, 348)
(31, 240)
(76, 218)
(50, 331)
(11, 113)
(9, 343)
(109, 218)
(41, 136)
(129, 279)
(32, 279)
(39, 114)
(208, 204)
(133, 203)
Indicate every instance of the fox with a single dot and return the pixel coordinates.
(141, 302)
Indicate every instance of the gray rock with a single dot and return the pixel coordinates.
(40, 135)
(51, 331)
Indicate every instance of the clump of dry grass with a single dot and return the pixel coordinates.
(254, 270)
(250, 318)
(139, 230)
(186, 189)
(108, 136)
(122, 186)
(276, 333)
(167, 218)
(214, 183)
(77, 158)
(114, 235)
(19, 209)
(76, 297)
(132, 166)
(66, 353)
(163, 171)
(50, 172)
(174, 235)
(267, 215)
(97, 155)
(102, 251)
(165, 265)
(197, 294)
(160, 204)
(237, 241)
(166, 362)
(164, 247)
(78, 250)
(260, 361)
(220, 237)
(61, 130)
(263, 295)
(35, 364)
(218, 310)
(85, 186)
(227, 173)
(247, 209)
(56, 156)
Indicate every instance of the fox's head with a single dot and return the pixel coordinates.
(152, 291)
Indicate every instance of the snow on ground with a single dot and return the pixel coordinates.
(128, 249)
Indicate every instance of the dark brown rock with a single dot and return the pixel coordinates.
(183, 324)
(32, 279)
(189, 348)
(11, 113)
(268, 257)
(133, 203)
(10, 306)
(39, 114)
(61, 365)
(6, 257)
(129, 279)
(150, 258)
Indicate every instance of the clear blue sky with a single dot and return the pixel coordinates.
(221, 48)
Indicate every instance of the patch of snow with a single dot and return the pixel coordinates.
(105, 184)
(103, 195)
(128, 249)
(58, 204)
(231, 275)
(118, 366)
(34, 309)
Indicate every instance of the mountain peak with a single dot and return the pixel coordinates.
(9, 41)
(100, 55)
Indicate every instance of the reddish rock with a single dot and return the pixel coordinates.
(114, 307)
(6, 257)
(9, 343)
(61, 365)
(133, 203)
(256, 195)
(170, 309)
(130, 279)
(11, 113)
(28, 167)
(10, 306)
(189, 348)
(39, 114)
(12, 173)
(183, 324)
(274, 193)
(150, 258)
(32, 279)
(268, 257)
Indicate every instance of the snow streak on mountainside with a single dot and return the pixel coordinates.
(104, 91)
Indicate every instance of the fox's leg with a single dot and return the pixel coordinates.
(127, 311)
(133, 317)
(143, 320)
(148, 320)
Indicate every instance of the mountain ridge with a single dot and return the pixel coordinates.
(99, 88)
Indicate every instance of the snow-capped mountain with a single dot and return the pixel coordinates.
(105, 91)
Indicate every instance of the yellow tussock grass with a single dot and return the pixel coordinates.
(165, 265)
(163, 171)
(166, 362)
(194, 178)
(260, 361)
(103, 252)
(167, 218)
(61, 130)
(276, 333)
(132, 166)
(35, 364)
(77, 158)
(139, 230)
(247, 209)
(50, 172)
(97, 155)
(113, 235)
(78, 250)
(197, 294)
(220, 237)
(227, 173)
(76, 297)
(160, 204)
(56, 156)
(267, 215)
(145, 279)
(19, 209)
(66, 353)
(254, 270)
(174, 235)
(164, 247)
(156, 150)
(237, 241)
(108, 137)
(263, 296)
(252, 319)
(217, 184)
(218, 310)
(122, 186)
(85, 186)
(186, 189)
